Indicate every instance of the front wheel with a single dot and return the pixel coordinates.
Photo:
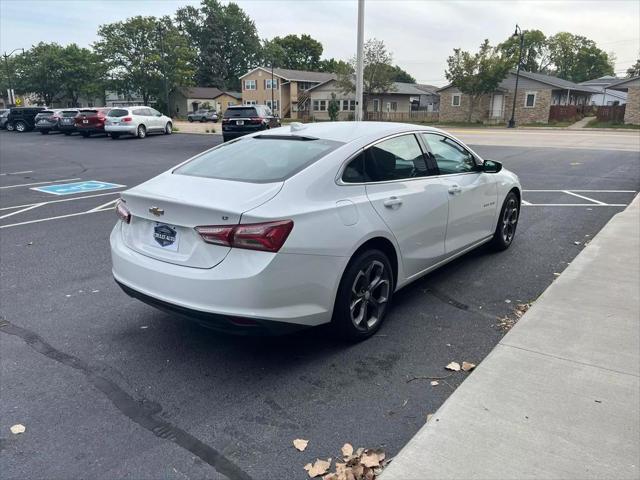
(85, 134)
(190, 119)
(168, 128)
(142, 131)
(115, 136)
(44, 132)
(364, 296)
(21, 127)
(67, 133)
(507, 223)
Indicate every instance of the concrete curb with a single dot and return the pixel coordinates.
(559, 396)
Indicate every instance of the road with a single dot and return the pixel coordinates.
(108, 387)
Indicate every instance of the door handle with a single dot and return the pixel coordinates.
(453, 189)
(392, 202)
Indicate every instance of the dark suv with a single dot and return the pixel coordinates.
(22, 119)
(47, 121)
(240, 120)
(67, 121)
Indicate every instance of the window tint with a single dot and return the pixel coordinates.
(394, 159)
(139, 111)
(117, 112)
(241, 112)
(354, 172)
(258, 160)
(450, 156)
(154, 113)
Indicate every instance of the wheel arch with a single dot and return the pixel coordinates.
(387, 247)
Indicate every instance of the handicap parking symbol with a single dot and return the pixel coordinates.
(77, 187)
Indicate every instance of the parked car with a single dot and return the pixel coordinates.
(203, 116)
(239, 120)
(4, 114)
(309, 224)
(67, 122)
(22, 119)
(90, 120)
(137, 121)
(47, 121)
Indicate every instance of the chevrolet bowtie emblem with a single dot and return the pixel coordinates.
(156, 211)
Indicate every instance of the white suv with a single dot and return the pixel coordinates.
(136, 121)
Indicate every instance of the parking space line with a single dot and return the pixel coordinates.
(52, 218)
(16, 173)
(39, 183)
(30, 207)
(583, 197)
(104, 206)
(61, 200)
(525, 203)
(584, 191)
(574, 204)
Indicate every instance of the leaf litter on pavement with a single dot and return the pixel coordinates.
(359, 464)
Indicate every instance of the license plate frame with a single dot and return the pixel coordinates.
(239, 122)
(164, 236)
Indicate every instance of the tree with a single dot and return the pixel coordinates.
(399, 75)
(295, 52)
(83, 73)
(378, 73)
(225, 39)
(535, 53)
(332, 65)
(477, 74)
(634, 70)
(576, 58)
(141, 53)
(333, 109)
(41, 70)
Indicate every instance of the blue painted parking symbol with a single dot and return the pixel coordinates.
(77, 187)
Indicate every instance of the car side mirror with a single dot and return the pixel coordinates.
(491, 166)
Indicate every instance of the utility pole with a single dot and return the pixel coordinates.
(360, 62)
(10, 93)
(164, 70)
(512, 121)
(272, 107)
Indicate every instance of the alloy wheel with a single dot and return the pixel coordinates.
(369, 295)
(142, 132)
(509, 220)
(21, 127)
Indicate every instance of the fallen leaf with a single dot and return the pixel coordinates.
(300, 444)
(434, 383)
(17, 429)
(370, 459)
(467, 367)
(455, 366)
(576, 243)
(507, 301)
(331, 476)
(318, 468)
(429, 416)
(347, 450)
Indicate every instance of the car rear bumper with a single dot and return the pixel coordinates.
(90, 129)
(259, 286)
(46, 126)
(66, 128)
(123, 129)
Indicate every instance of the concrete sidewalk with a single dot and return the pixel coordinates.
(559, 396)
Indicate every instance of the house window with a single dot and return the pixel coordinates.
(274, 107)
(305, 85)
(455, 99)
(348, 105)
(319, 105)
(250, 85)
(250, 102)
(270, 84)
(376, 105)
(230, 103)
(394, 106)
(530, 100)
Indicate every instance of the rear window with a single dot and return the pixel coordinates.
(45, 112)
(241, 112)
(88, 111)
(69, 113)
(261, 159)
(117, 112)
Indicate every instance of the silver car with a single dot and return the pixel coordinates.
(203, 115)
(4, 116)
(137, 121)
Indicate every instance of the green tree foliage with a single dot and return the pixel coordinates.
(378, 75)
(400, 75)
(535, 53)
(226, 41)
(83, 73)
(333, 109)
(634, 70)
(41, 70)
(141, 51)
(292, 51)
(332, 65)
(577, 58)
(477, 74)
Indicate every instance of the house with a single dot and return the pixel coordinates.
(395, 104)
(632, 87)
(184, 100)
(606, 97)
(119, 99)
(537, 94)
(279, 88)
(83, 102)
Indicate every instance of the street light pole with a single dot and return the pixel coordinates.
(512, 122)
(11, 95)
(272, 92)
(164, 69)
(360, 62)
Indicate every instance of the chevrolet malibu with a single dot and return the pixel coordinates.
(309, 224)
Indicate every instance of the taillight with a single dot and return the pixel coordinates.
(225, 120)
(268, 236)
(126, 119)
(122, 211)
(255, 120)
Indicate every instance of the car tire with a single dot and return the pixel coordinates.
(20, 127)
(67, 133)
(44, 132)
(10, 127)
(168, 128)
(190, 119)
(85, 134)
(141, 132)
(203, 120)
(367, 283)
(115, 136)
(507, 223)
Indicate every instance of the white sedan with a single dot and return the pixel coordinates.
(309, 224)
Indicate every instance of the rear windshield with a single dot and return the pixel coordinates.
(117, 112)
(87, 111)
(241, 112)
(69, 113)
(260, 159)
(46, 112)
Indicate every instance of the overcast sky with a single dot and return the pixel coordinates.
(419, 33)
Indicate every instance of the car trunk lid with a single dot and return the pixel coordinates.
(165, 210)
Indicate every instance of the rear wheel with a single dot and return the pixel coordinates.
(190, 119)
(10, 127)
(115, 136)
(67, 133)
(21, 127)
(364, 295)
(44, 132)
(203, 120)
(85, 134)
(142, 131)
(168, 128)
(507, 223)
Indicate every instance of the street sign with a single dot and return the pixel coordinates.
(77, 187)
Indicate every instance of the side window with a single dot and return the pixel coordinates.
(450, 156)
(395, 159)
(354, 173)
(154, 113)
(139, 111)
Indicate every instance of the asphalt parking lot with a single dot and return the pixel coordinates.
(108, 387)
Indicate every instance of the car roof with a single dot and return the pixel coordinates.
(349, 131)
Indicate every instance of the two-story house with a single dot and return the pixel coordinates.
(279, 88)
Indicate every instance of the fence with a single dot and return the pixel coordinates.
(563, 113)
(412, 116)
(613, 114)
